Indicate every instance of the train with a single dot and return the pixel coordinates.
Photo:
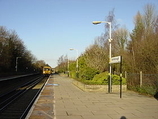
(47, 70)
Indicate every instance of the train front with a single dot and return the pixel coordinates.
(47, 71)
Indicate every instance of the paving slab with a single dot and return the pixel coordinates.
(73, 103)
(60, 99)
(44, 105)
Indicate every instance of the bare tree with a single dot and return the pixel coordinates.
(143, 47)
(96, 57)
(62, 63)
(120, 40)
(11, 47)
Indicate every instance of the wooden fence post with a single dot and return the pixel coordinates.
(141, 78)
(126, 75)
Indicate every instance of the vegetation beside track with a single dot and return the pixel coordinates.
(139, 49)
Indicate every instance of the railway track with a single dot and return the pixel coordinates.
(16, 103)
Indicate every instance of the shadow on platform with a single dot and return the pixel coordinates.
(156, 96)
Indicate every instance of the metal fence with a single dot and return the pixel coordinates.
(141, 79)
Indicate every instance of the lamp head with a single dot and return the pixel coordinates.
(71, 49)
(96, 22)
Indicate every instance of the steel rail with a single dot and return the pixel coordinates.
(31, 103)
(19, 91)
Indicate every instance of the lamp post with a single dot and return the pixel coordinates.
(109, 23)
(76, 60)
(68, 67)
(16, 66)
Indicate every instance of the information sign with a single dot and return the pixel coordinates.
(115, 59)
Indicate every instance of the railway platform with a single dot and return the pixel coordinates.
(60, 99)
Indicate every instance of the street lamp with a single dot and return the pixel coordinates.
(109, 23)
(76, 60)
(16, 66)
(68, 67)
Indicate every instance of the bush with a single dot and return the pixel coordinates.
(73, 74)
(87, 73)
(102, 78)
(149, 90)
(116, 80)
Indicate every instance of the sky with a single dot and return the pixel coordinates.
(49, 28)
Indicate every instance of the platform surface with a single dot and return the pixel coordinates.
(63, 100)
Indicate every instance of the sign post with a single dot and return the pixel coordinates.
(121, 77)
(118, 59)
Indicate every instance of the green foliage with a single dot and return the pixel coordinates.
(72, 66)
(116, 80)
(102, 78)
(88, 73)
(72, 69)
(146, 89)
(73, 74)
